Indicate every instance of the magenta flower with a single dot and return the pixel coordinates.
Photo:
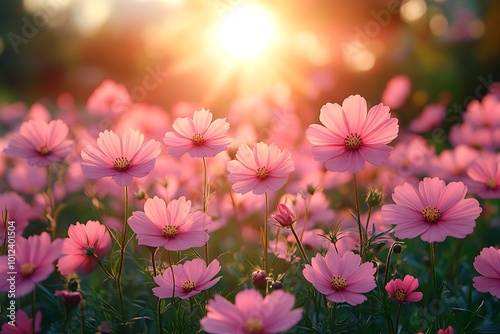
(341, 278)
(85, 246)
(171, 226)
(24, 324)
(432, 212)
(447, 330)
(34, 262)
(485, 176)
(259, 170)
(487, 263)
(251, 313)
(285, 216)
(190, 278)
(121, 159)
(351, 136)
(18, 212)
(198, 136)
(40, 143)
(403, 291)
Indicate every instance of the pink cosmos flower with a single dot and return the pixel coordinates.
(40, 143)
(452, 165)
(431, 117)
(121, 159)
(484, 176)
(447, 330)
(85, 245)
(259, 170)
(108, 99)
(487, 263)
(341, 278)
(24, 324)
(484, 114)
(18, 211)
(251, 313)
(350, 136)
(396, 91)
(434, 211)
(190, 278)
(403, 291)
(285, 217)
(34, 262)
(198, 136)
(171, 226)
(27, 179)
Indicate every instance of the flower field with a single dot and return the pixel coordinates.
(277, 214)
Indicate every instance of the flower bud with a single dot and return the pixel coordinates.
(285, 217)
(374, 197)
(259, 279)
(397, 248)
(277, 285)
(71, 299)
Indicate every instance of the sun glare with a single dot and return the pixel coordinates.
(246, 31)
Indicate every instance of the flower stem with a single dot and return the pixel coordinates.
(51, 216)
(301, 247)
(265, 234)
(397, 318)
(367, 223)
(434, 280)
(33, 310)
(388, 264)
(204, 209)
(122, 256)
(158, 305)
(307, 202)
(358, 218)
(82, 317)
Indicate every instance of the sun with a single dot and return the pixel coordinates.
(246, 31)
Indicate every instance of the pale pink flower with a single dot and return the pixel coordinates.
(484, 176)
(198, 136)
(431, 117)
(108, 99)
(40, 143)
(252, 313)
(285, 217)
(487, 264)
(34, 262)
(283, 249)
(86, 245)
(432, 212)
(259, 170)
(121, 159)
(27, 179)
(396, 91)
(18, 211)
(39, 112)
(350, 136)
(190, 279)
(170, 226)
(341, 278)
(24, 324)
(452, 165)
(484, 114)
(403, 291)
(152, 126)
(12, 112)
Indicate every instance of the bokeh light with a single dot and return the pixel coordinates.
(413, 10)
(246, 31)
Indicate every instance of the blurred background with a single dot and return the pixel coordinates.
(212, 52)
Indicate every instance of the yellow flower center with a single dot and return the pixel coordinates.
(262, 172)
(169, 231)
(197, 139)
(121, 164)
(27, 269)
(432, 215)
(353, 142)
(338, 283)
(491, 183)
(43, 150)
(400, 295)
(254, 326)
(189, 286)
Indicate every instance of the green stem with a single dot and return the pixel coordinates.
(301, 247)
(82, 317)
(434, 280)
(388, 264)
(307, 202)
(397, 318)
(265, 234)
(158, 305)
(205, 207)
(334, 316)
(51, 216)
(173, 276)
(33, 310)
(358, 218)
(367, 223)
(122, 256)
